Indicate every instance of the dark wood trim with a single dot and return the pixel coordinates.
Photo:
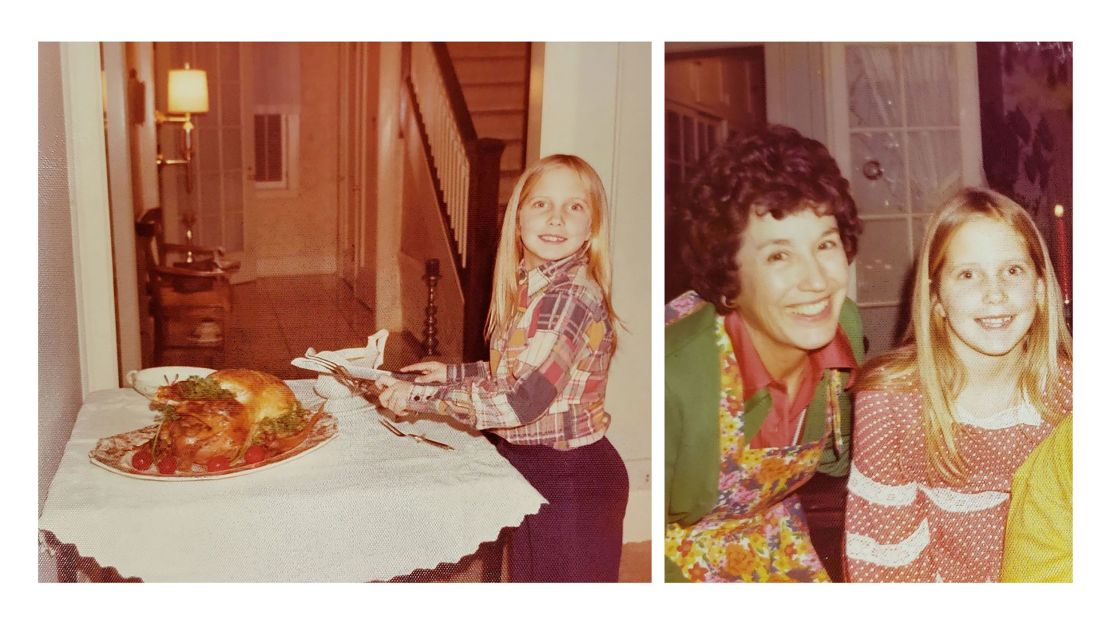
(406, 61)
(752, 51)
(482, 235)
(527, 109)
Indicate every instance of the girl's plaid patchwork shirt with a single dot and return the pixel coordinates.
(545, 380)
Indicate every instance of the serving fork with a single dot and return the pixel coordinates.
(344, 376)
(366, 387)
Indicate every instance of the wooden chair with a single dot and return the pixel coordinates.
(189, 288)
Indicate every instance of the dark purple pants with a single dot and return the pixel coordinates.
(576, 537)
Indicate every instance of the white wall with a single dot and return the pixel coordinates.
(597, 104)
(387, 287)
(59, 395)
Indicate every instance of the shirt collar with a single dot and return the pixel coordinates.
(837, 354)
(551, 272)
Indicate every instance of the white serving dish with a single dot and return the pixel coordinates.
(147, 381)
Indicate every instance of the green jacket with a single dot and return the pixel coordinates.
(692, 394)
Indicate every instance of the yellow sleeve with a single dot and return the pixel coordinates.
(1038, 530)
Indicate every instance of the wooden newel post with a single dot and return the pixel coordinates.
(483, 232)
(431, 328)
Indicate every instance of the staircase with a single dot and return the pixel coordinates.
(494, 80)
(466, 168)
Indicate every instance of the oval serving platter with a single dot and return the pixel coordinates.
(114, 454)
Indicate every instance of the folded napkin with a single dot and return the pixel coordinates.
(359, 361)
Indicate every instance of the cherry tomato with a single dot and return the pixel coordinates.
(217, 464)
(142, 460)
(167, 465)
(255, 454)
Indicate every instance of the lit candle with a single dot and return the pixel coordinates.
(1063, 253)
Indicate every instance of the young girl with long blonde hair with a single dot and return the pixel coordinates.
(943, 421)
(541, 396)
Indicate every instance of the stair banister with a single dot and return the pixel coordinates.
(466, 171)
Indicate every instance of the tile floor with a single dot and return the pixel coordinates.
(275, 319)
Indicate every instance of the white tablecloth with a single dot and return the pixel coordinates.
(365, 506)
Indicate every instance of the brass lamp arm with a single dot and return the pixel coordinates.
(186, 122)
(161, 118)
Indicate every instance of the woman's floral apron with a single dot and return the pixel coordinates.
(757, 532)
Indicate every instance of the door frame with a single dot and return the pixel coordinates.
(357, 160)
(122, 205)
(358, 167)
(347, 244)
(87, 164)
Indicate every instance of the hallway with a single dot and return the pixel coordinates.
(274, 319)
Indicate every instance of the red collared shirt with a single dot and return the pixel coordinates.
(784, 421)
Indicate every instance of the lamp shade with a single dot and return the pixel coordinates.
(188, 91)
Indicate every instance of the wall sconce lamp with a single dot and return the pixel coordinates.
(187, 91)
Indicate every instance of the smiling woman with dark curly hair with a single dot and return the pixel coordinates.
(777, 171)
(758, 357)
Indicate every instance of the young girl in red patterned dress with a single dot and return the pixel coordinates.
(943, 422)
(541, 396)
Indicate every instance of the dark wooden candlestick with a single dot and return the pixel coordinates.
(431, 276)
